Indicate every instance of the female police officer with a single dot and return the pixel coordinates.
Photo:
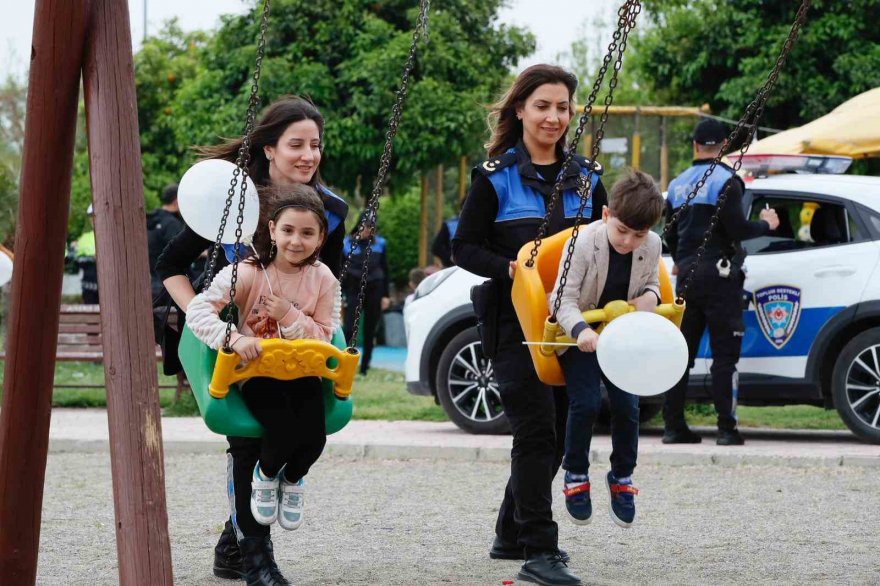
(503, 211)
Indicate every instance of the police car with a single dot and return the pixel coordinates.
(811, 308)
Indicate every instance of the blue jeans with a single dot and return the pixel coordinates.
(582, 373)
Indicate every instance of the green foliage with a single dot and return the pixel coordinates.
(348, 57)
(398, 223)
(164, 63)
(8, 207)
(720, 53)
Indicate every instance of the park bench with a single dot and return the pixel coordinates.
(80, 340)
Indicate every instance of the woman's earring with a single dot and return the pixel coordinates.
(272, 250)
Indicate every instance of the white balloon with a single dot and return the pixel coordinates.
(5, 269)
(642, 353)
(202, 194)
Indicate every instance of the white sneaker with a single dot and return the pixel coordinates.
(292, 504)
(264, 497)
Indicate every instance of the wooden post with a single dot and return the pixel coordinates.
(664, 156)
(423, 224)
(135, 424)
(47, 162)
(462, 179)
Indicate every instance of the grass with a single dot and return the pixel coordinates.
(379, 395)
(382, 394)
(787, 417)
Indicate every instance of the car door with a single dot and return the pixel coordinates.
(816, 263)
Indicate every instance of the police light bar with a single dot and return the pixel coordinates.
(759, 165)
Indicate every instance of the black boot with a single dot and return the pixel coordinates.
(548, 569)
(502, 550)
(259, 562)
(227, 556)
(729, 437)
(682, 435)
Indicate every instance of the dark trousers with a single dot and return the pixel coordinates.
(372, 311)
(716, 303)
(582, 375)
(537, 415)
(292, 415)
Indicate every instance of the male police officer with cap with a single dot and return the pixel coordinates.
(714, 299)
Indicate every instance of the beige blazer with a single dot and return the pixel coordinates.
(589, 271)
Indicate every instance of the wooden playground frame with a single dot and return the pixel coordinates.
(88, 41)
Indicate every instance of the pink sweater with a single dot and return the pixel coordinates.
(314, 294)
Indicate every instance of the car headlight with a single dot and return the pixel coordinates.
(430, 283)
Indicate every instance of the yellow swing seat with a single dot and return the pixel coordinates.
(531, 287)
(288, 360)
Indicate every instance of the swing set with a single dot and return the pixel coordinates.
(72, 38)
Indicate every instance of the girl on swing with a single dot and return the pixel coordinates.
(286, 148)
(283, 291)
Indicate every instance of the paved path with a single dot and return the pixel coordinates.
(86, 430)
(429, 522)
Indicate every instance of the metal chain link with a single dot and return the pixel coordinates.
(241, 170)
(622, 20)
(371, 209)
(753, 115)
(587, 188)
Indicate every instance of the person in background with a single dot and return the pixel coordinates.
(442, 245)
(163, 224)
(714, 299)
(85, 258)
(376, 295)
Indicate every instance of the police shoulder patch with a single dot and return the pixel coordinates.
(489, 166)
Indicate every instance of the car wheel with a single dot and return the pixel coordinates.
(855, 385)
(466, 386)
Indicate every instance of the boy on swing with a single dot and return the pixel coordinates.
(617, 258)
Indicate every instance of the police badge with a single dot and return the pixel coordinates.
(778, 309)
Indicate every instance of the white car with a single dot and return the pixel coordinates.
(811, 311)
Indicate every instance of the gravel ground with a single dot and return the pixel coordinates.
(430, 522)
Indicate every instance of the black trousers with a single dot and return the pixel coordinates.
(716, 303)
(537, 414)
(292, 415)
(372, 311)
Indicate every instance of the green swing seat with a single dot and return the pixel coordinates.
(230, 415)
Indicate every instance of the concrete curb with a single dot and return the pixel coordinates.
(380, 451)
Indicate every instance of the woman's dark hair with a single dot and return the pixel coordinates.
(506, 129)
(271, 124)
(274, 199)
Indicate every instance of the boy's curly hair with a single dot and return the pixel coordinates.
(636, 201)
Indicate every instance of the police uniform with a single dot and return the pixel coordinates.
(714, 299)
(377, 288)
(442, 245)
(503, 211)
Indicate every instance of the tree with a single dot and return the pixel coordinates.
(13, 102)
(697, 51)
(164, 63)
(348, 57)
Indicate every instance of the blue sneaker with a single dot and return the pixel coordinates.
(577, 498)
(623, 501)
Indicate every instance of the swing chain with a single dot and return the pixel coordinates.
(753, 114)
(242, 162)
(242, 156)
(622, 23)
(371, 209)
(587, 188)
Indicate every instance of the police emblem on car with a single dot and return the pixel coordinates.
(778, 309)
